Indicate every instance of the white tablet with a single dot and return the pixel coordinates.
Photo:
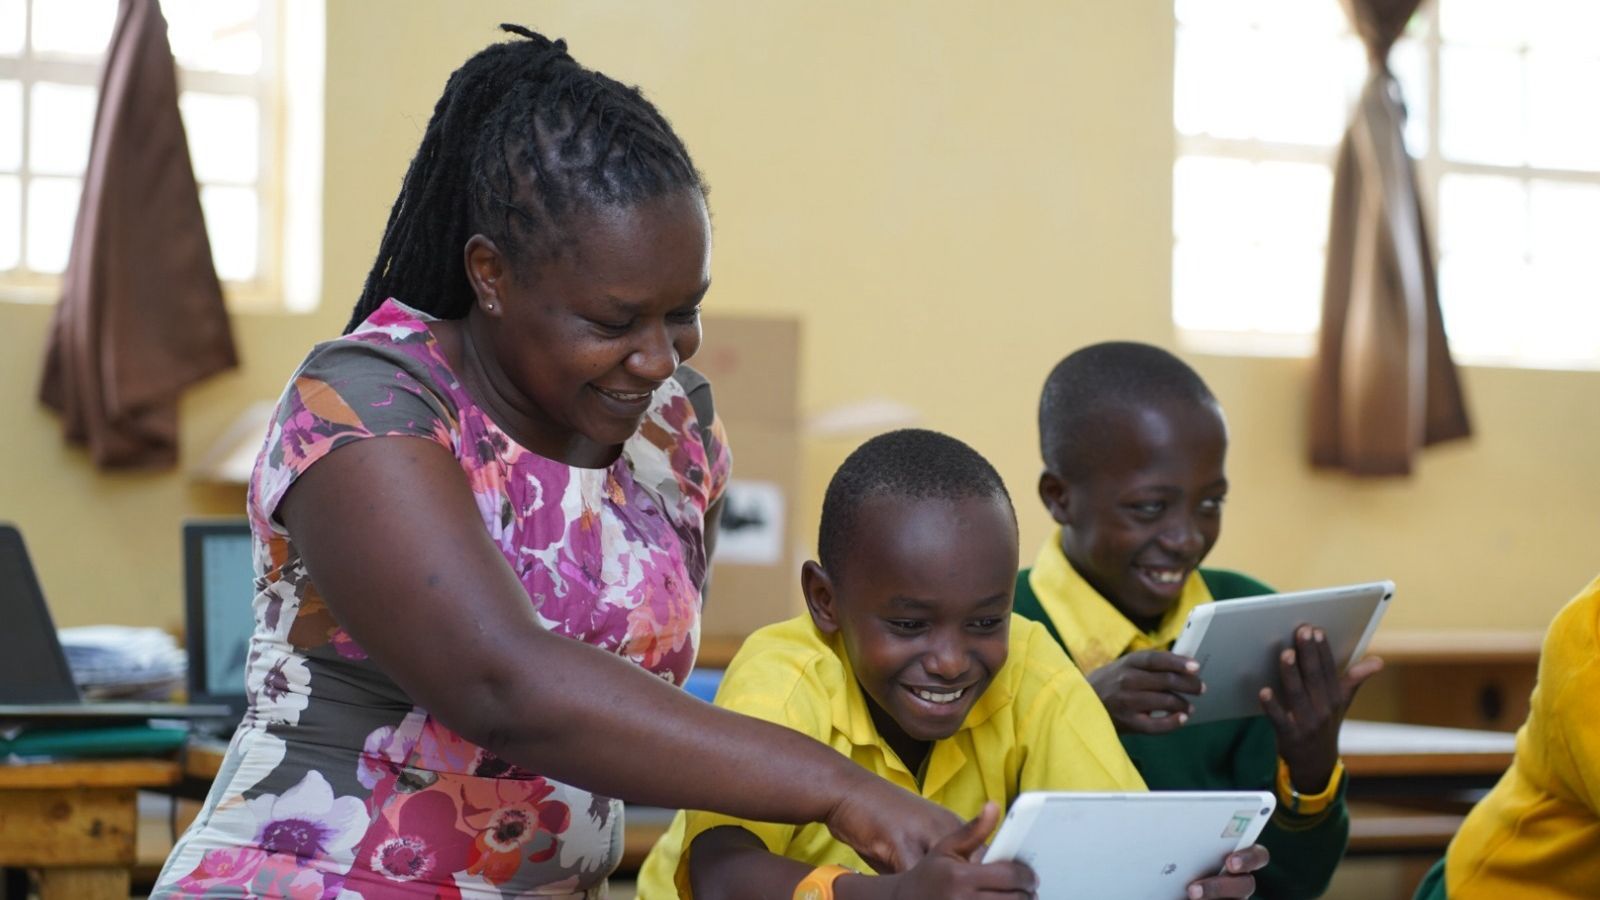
(1237, 642)
(1138, 846)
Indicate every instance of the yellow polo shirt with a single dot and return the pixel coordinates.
(1095, 632)
(1537, 834)
(1039, 726)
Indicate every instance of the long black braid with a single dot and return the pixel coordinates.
(522, 136)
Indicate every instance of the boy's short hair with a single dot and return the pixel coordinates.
(911, 463)
(1112, 376)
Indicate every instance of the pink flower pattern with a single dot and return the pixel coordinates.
(612, 557)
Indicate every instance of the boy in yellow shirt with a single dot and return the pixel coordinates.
(1537, 834)
(910, 663)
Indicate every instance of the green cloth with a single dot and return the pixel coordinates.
(110, 740)
(1432, 886)
(1239, 754)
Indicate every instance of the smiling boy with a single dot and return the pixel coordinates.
(1134, 446)
(910, 663)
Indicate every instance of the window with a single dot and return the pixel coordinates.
(249, 77)
(1500, 99)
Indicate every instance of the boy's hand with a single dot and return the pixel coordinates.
(888, 827)
(1311, 707)
(1236, 880)
(1148, 681)
(951, 869)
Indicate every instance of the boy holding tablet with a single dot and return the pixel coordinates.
(910, 662)
(1134, 446)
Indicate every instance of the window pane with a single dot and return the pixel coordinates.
(13, 20)
(11, 126)
(1210, 199)
(52, 208)
(1231, 13)
(1409, 63)
(214, 35)
(1565, 221)
(10, 221)
(73, 27)
(1307, 18)
(1566, 294)
(1483, 215)
(1481, 106)
(1288, 291)
(224, 135)
(1214, 82)
(1219, 286)
(1207, 294)
(1483, 298)
(1291, 204)
(1484, 23)
(1302, 87)
(232, 226)
(1563, 131)
(62, 128)
(1557, 24)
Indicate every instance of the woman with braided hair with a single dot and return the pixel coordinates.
(482, 521)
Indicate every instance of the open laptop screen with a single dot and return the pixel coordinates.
(219, 587)
(32, 667)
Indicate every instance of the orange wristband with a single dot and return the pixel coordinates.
(818, 885)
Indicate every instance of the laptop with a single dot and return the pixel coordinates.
(35, 682)
(219, 592)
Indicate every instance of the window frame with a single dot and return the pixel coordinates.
(1431, 168)
(266, 290)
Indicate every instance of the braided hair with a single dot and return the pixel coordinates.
(521, 138)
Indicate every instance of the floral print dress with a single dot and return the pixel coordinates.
(336, 785)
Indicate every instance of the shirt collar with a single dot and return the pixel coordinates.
(853, 719)
(1094, 631)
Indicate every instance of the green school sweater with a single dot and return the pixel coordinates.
(1240, 754)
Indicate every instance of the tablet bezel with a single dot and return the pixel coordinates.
(1033, 829)
(1231, 641)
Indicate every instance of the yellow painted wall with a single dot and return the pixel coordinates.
(950, 196)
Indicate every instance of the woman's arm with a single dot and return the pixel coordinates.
(390, 535)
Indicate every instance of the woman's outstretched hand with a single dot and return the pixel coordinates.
(887, 826)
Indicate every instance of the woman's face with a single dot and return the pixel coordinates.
(580, 342)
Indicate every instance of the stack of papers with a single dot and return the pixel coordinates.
(116, 661)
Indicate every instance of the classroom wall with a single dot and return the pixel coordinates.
(949, 197)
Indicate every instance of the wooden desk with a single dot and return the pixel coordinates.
(1462, 679)
(75, 822)
(1411, 785)
(1377, 750)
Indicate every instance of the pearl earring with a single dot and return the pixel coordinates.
(490, 307)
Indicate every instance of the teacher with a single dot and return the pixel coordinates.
(482, 521)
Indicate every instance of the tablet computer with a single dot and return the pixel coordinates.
(1237, 642)
(1138, 846)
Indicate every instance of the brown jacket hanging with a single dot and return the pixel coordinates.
(141, 313)
(1383, 385)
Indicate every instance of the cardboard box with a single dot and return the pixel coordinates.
(753, 365)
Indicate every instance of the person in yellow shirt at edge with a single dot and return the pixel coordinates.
(1537, 834)
(910, 663)
(1134, 447)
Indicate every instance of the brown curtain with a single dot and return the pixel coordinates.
(141, 314)
(1384, 385)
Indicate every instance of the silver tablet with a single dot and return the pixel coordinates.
(1237, 642)
(1138, 846)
